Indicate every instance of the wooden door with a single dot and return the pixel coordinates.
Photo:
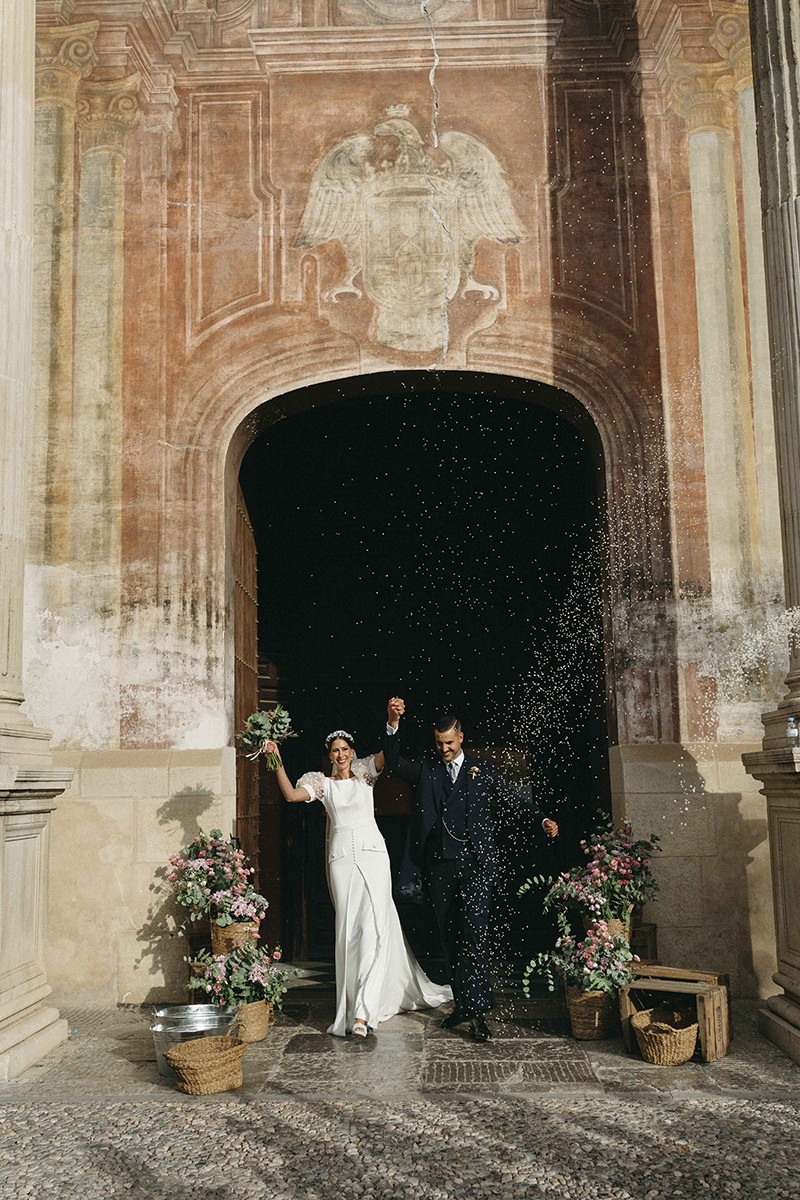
(245, 626)
(272, 834)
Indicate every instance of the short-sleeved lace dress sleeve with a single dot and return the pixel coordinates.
(314, 784)
(365, 770)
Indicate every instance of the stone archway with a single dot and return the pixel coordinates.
(354, 473)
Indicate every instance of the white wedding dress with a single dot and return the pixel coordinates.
(377, 976)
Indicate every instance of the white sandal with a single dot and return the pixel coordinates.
(360, 1028)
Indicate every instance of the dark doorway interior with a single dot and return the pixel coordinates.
(434, 537)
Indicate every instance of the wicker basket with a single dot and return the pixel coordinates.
(616, 926)
(207, 1065)
(255, 1020)
(663, 1044)
(592, 1015)
(227, 938)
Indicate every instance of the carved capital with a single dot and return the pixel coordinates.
(701, 93)
(731, 40)
(64, 55)
(107, 112)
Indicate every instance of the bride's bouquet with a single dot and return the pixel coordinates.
(260, 728)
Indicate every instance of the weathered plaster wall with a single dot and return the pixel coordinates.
(232, 174)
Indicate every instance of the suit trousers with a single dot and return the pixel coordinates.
(461, 894)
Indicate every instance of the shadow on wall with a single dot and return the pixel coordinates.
(708, 911)
(739, 836)
(186, 808)
(163, 944)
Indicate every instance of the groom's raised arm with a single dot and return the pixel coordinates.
(396, 762)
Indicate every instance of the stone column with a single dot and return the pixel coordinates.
(731, 39)
(28, 782)
(702, 94)
(16, 248)
(775, 36)
(64, 55)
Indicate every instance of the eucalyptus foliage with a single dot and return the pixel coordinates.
(262, 727)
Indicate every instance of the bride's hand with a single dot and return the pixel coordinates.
(272, 748)
(395, 710)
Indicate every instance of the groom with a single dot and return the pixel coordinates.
(456, 854)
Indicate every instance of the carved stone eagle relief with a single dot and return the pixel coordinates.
(409, 218)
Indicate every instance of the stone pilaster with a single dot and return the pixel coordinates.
(776, 51)
(146, 238)
(731, 39)
(28, 782)
(107, 113)
(64, 55)
(703, 95)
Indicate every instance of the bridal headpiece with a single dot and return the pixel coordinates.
(340, 733)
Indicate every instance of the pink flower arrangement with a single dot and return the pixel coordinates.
(246, 975)
(237, 904)
(211, 877)
(596, 962)
(616, 876)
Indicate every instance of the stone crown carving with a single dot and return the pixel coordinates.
(107, 112)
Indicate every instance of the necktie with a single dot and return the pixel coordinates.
(453, 769)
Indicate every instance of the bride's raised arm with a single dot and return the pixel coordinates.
(295, 795)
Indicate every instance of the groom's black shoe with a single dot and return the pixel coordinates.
(479, 1031)
(457, 1017)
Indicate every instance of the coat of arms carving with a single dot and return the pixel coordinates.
(409, 217)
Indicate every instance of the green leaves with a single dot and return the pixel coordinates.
(261, 727)
(249, 973)
(615, 877)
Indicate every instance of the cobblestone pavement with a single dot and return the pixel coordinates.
(414, 1112)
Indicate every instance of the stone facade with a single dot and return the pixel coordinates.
(234, 201)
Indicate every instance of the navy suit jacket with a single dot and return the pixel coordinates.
(485, 788)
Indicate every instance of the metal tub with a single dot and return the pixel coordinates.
(176, 1023)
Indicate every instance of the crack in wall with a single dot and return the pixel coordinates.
(435, 213)
(432, 75)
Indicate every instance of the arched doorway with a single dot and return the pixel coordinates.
(440, 537)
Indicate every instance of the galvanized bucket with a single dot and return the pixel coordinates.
(174, 1023)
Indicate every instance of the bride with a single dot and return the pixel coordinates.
(376, 973)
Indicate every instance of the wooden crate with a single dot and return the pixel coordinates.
(711, 1004)
(652, 970)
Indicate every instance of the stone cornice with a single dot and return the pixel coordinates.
(701, 94)
(166, 46)
(107, 112)
(389, 47)
(123, 22)
(64, 55)
(55, 12)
